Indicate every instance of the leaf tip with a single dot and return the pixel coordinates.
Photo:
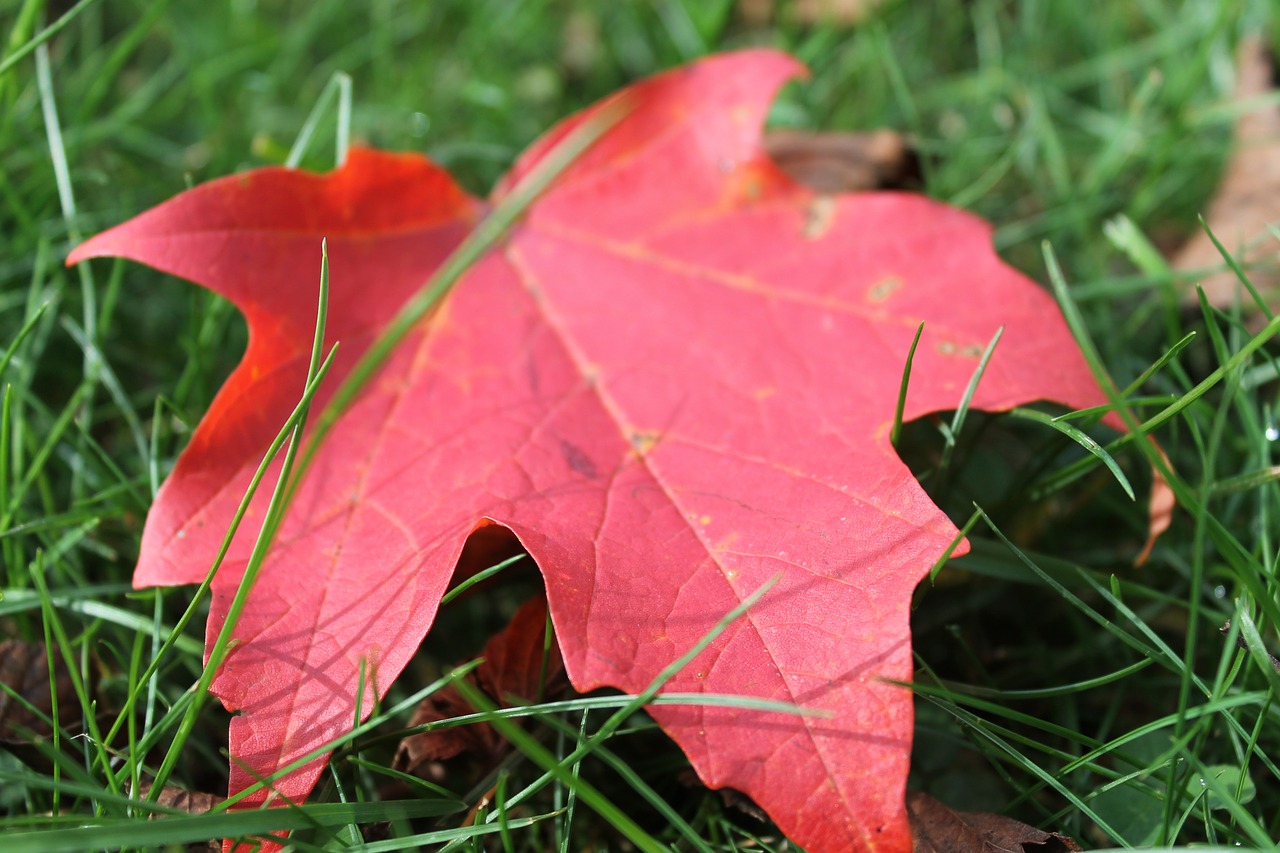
(82, 252)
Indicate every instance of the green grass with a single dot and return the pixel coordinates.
(1056, 683)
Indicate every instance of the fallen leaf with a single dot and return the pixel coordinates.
(515, 664)
(1247, 201)
(183, 800)
(26, 702)
(839, 12)
(173, 797)
(845, 12)
(674, 381)
(935, 828)
(1161, 503)
(844, 162)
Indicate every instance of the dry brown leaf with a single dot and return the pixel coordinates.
(514, 665)
(1248, 198)
(935, 828)
(1160, 506)
(173, 797)
(191, 802)
(844, 162)
(24, 670)
(842, 12)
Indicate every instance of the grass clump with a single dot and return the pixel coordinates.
(1056, 683)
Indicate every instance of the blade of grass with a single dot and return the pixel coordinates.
(543, 757)
(180, 829)
(176, 636)
(1259, 303)
(60, 641)
(360, 731)
(902, 388)
(1081, 438)
(67, 199)
(103, 373)
(339, 86)
(462, 833)
(966, 399)
(1137, 429)
(27, 327)
(1155, 367)
(628, 775)
(945, 556)
(12, 555)
(649, 694)
(480, 577)
(1129, 239)
(275, 508)
(571, 802)
(16, 56)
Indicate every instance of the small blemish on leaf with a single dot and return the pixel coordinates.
(577, 460)
(965, 350)
(705, 520)
(883, 289)
(818, 217)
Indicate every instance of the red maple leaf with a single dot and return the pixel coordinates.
(673, 380)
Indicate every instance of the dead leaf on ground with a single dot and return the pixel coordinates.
(1240, 641)
(839, 12)
(1248, 198)
(515, 665)
(181, 799)
(1160, 507)
(936, 828)
(191, 802)
(24, 671)
(845, 162)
